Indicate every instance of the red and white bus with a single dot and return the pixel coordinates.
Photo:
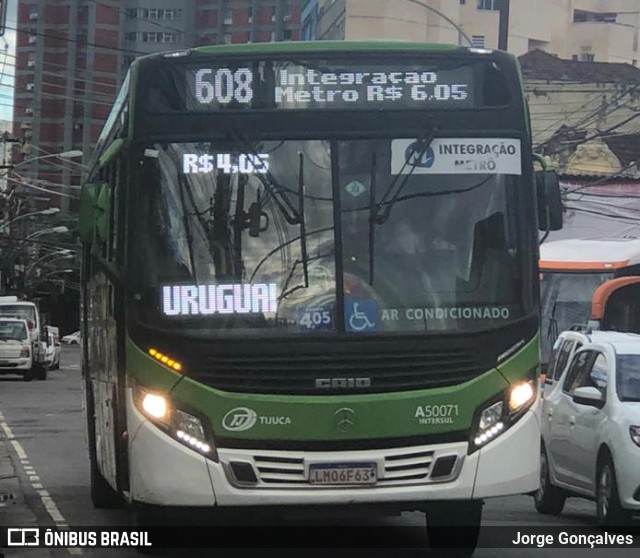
(571, 271)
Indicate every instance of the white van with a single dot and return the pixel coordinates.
(12, 307)
(16, 349)
(52, 340)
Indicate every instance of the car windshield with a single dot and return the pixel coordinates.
(628, 377)
(13, 331)
(239, 235)
(24, 311)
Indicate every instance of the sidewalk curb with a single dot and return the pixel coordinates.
(14, 510)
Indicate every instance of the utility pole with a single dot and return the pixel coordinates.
(503, 30)
(3, 16)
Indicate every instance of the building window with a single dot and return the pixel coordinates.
(228, 16)
(153, 13)
(172, 14)
(582, 16)
(477, 41)
(153, 37)
(493, 5)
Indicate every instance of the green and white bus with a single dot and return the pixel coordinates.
(311, 278)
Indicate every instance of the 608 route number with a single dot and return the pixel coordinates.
(224, 85)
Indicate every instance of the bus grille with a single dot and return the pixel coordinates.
(297, 373)
(283, 469)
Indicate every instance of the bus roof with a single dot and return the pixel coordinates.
(318, 47)
(589, 254)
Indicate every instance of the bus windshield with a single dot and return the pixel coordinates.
(316, 236)
(566, 301)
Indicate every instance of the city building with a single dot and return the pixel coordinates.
(589, 30)
(72, 55)
(309, 20)
(571, 100)
(246, 21)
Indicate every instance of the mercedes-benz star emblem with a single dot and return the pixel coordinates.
(345, 419)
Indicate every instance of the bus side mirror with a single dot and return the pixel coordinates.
(549, 201)
(86, 217)
(94, 214)
(102, 213)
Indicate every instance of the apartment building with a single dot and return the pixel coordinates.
(71, 56)
(590, 30)
(246, 21)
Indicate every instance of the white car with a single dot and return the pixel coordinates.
(591, 431)
(566, 345)
(72, 338)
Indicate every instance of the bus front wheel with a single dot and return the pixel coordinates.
(454, 523)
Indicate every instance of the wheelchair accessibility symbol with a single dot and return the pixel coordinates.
(361, 315)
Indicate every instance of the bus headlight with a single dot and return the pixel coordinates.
(499, 416)
(491, 423)
(520, 395)
(188, 429)
(155, 406)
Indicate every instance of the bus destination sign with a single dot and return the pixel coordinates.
(299, 86)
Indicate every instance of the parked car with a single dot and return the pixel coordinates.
(591, 431)
(16, 348)
(52, 354)
(72, 338)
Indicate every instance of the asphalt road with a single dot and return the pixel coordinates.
(46, 419)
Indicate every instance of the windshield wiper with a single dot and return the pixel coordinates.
(303, 225)
(270, 184)
(552, 330)
(382, 210)
(182, 181)
(372, 211)
(303, 239)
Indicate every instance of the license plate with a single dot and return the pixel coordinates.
(343, 473)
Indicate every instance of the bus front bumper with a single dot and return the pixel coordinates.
(164, 472)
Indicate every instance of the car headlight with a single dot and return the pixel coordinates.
(181, 425)
(497, 416)
(634, 432)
